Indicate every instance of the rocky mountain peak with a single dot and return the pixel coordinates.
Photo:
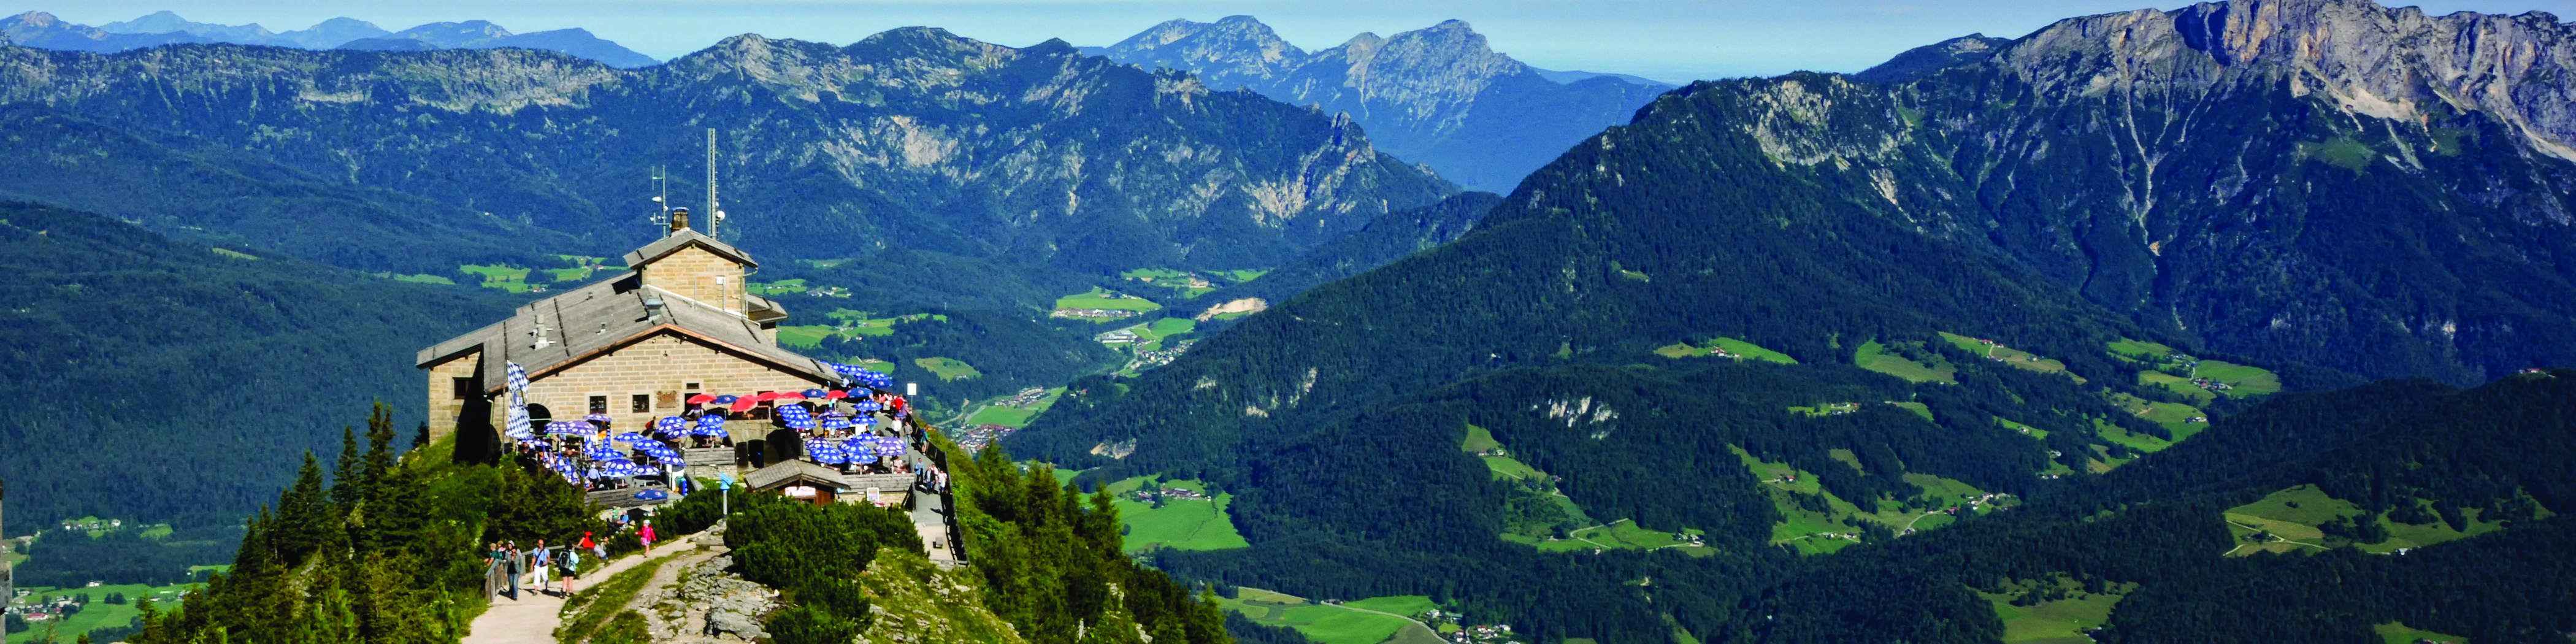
(455, 34)
(1234, 51)
(2394, 63)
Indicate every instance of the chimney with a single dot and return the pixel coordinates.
(679, 219)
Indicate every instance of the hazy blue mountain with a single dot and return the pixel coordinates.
(39, 29)
(334, 32)
(1571, 76)
(43, 30)
(1438, 96)
(163, 22)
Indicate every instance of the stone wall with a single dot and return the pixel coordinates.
(697, 274)
(444, 405)
(660, 369)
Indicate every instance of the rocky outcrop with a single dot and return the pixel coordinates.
(1440, 95)
(728, 608)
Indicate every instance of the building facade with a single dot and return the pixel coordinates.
(633, 347)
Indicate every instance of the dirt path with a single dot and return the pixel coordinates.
(532, 618)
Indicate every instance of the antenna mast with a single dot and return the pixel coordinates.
(714, 216)
(661, 197)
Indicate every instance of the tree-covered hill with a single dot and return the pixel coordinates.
(172, 381)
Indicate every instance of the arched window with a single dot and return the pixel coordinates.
(538, 416)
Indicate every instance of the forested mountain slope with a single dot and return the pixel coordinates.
(912, 138)
(195, 373)
(1437, 95)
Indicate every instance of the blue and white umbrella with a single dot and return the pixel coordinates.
(795, 416)
(672, 426)
(869, 405)
(861, 449)
(826, 453)
(890, 446)
(631, 437)
(599, 418)
(515, 423)
(571, 427)
(834, 423)
(601, 453)
(711, 425)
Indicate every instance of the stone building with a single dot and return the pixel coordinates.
(634, 346)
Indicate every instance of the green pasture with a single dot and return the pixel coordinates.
(2398, 633)
(947, 368)
(1743, 350)
(1002, 415)
(1325, 623)
(424, 279)
(1919, 409)
(804, 336)
(2019, 359)
(1871, 356)
(1099, 298)
(2293, 515)
(1826, 409)
(98, 613)
(2022, 429)
(2176, 384)
(2173, 416)
(2246, 380)
(507, 278)
(2058, 622)
(1181, 524)
(1406, 605)
(2140, 351)
(1478, 439)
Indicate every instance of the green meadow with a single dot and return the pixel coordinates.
(97, 613)
(1100, 298)
(1742, 350)
(1356, 622)
(2063, 621)
(1181, 524)
(1872, 356)
(947, 368)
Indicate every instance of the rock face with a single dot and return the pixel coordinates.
(732, 607)
(914, 138)
(1922, 61)
(1438, 96)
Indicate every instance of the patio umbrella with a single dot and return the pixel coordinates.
(836, 394)
(710, 425)
(671, 426)
(601, 454)
(631, 437)
(724, 400)
(836, 423)
(796, 417)
(598, 418)
(861, 450)
(826, 453)
(569, 427)
(765, 396)
(813, 393)
(790, 395)
(744, 404)
(702, 399)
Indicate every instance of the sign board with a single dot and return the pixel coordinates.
(912, 389)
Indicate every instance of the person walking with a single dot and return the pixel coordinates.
(540, 561)
(571, 563)
(647, 535)
(593, 546)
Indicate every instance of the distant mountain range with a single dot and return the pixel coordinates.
(1438, 96)
(37, 29)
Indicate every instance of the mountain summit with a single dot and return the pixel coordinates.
(164, 27)
(1439, 95)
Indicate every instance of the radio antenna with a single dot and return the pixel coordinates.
(661, 197)
(714, 215)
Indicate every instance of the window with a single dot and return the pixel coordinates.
(643, 403)
(691, 386)
(464, 387)
(599, 404)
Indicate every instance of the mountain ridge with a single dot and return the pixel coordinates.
(40, 29)
(1438, 95)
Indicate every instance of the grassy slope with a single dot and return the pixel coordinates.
(1181, 524)
(2292, 517)
(1326, 623)
(1871, 357)
(1097, 298)
(2058, 622)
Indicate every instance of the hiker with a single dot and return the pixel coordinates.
(593, 546)
(540, 560)
(647, 535)
(571, 569)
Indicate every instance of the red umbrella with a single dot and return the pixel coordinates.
(745, 404)
(790, 395)
(701, 399)
(767, 396)
(836, 395)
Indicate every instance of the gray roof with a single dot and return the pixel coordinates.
(792, 470)
(682, 239)
(592, 320)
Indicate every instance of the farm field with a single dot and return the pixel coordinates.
(1919, 409)
(1738, 349)
(98, 613)
(1325, 623)
(1099, 298)
(1479, 440)
(947, 368)
(2024, 430)
(2245, 380)
(2017, 358)
(507, 278)
(2176, 417)
(1009, 416)
(1801, 522)
(1871, 356)
(1181, 524)
(2063, 621)
(2398, 633)
(421, 279)
(805, 337)
(2291, 517)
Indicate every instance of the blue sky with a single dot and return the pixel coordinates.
(1671, 40)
